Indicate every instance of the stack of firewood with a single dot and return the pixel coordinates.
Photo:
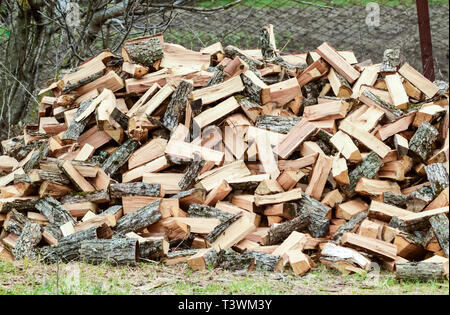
(235, 159)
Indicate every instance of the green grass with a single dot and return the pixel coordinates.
(293, 3)
(26, 278)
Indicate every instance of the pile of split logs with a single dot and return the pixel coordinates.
(235, 159)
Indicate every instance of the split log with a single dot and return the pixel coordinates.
(146, 52)
(29, 238)
(139, 219)
(423, 271)
(423, 140)
(440, 226)
(419, 199)
(68, 248)
(416, 221)
(134, 189)
(398, 200)
(350, 226)
(54, 211)
(76, 127)
(191, 172)
(119, 157)
(177, 106)
(278, 124)
(318, 215)
(392, 59)
(203, 211)
(438, 177)
(368, 168)
(99, 196)
(278, 233)
(14, 222)
(121, 251)
(205, 258)
(218, 230)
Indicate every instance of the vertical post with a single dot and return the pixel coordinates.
(425, 39)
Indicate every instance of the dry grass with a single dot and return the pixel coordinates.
(155, 278)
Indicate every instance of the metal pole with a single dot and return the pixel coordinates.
(425, 39)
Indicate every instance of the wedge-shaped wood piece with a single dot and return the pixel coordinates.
(267, 187)
(384, 212)
(397, 91)
(153, 103)
(416, 221)
(339, 84)
(374, 187)
(215, 113)
(340, 171)
(327, 52)
(266, 156)
(217, 92)
(365, 138)
(217, 194)
(148, 152)
(281, 93)
(331, 110)
(85, 153)
(76, 178)
(168, 181)
(381, 249)
(205, 258)
(200, 225)
(368, 77)
(346, 147)
(185, 150)
(289, 178)
(349, 209)
(429, 113)
(314, 72)
(111, 81)
(321, 170)
(299, 133)
(395, 127)
(418, 80)
(291, 195)
(284, 210)
(213, 178)
(295, 241)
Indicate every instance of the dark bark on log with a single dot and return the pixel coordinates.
(71, 86)
(253, 63)
(278, 124)
(252, 91)
(391, 60)
(20, 151)
(319, 224)
(139, 219)
(268, 47)
(21, 178)
(122, 251)
(245, 187)
(120, 118)
(192, 172)
(230, 260)
(419, 199)
(151, 248)
(76, 127)
(98, 196)
(54, 230)
(350, 226)
(54, 211)
(423, 271)
(177, 106)
(19, 205)
(68, 248)
(202, 211)
(217, 78)
(211, 237)
(112, 210)
(392, 114)
(36, 157)
(30, 237)
(265, 262)
(398, 200)
(440, 226)
(368, 168)
(284, 64)
(15, 222)
(54, 177)
(134, 189)
(182, 253)
(248, 105)
(146, 53)
(278, 233)
(437, 176)
(422, 141)
(311, 92)
(119, 157)
(194, 195)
